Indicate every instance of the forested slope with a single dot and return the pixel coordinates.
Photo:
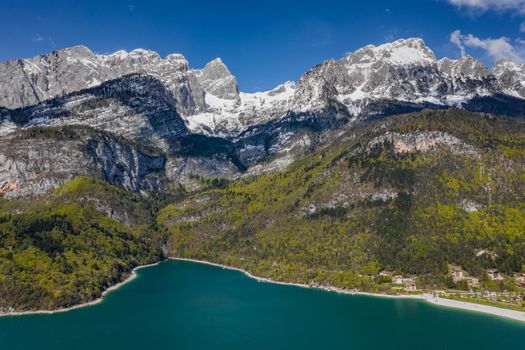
(66, 248)
(411, 194)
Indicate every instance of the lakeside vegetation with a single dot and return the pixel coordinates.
(62, 251)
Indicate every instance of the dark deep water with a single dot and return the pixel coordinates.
(184, 305)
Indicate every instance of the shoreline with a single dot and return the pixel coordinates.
(302, 285)
(131, 277)
(434, 300)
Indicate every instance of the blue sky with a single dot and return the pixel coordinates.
(263, 42)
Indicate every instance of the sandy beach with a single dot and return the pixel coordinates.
(511, 314)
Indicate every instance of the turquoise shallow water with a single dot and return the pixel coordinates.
(184, 305)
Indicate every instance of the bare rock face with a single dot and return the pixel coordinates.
(510, 77)
(216, 79)
(36, 161)
(466, 77)
(405, 71)
(37, 79)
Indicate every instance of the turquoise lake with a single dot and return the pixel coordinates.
(184, 305)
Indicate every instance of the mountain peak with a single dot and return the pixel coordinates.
(507, 64)
(176, 57)
(216, 79)
(143, 53)
(78, 48)
(400, 52)
(217, 60)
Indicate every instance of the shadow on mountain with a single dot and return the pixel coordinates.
(194, 145)
(268, 133)
(386, 108)
(143, 94)
(497, 104)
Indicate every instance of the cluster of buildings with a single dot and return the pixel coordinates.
(408, 283)
(458, 274)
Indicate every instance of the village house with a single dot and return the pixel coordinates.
(458, 274)
(494, 275)
(409, 280)
(409, 284)
(397, 279)
(410, 287)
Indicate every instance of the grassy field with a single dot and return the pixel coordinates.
(487, 302)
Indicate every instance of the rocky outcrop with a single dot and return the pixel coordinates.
(216, 79)
(424, 142)
(38, 160)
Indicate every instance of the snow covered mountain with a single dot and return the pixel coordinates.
(199, 123)
(359, 85)
(30, 81)
(403, 71)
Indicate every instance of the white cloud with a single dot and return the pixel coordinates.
(42, 39)
(455, 38)
(38, 38)
(494, 48)
(497, 5)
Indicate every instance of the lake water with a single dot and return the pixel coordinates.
(184, 305)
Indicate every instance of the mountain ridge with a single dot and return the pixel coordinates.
(210, 102)
(205, 126)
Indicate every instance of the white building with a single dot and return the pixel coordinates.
(494, 275)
